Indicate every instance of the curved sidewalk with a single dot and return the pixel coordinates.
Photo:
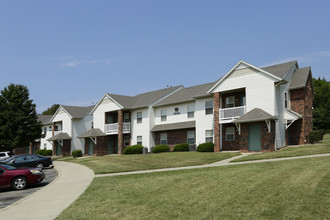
(51, 200)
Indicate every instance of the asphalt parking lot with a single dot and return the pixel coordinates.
(9, 196)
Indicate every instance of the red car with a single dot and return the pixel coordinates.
(19, 178)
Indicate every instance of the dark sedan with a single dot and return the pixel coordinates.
(28, 160)
(19, 178)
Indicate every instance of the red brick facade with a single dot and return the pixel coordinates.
(230, 145)
(100, 148)
(216, 107)
(302, 103)
(174, 137)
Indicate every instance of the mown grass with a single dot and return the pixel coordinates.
(296, 189)
(321, 148)
(125, 163)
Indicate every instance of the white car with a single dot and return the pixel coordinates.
(4, 155)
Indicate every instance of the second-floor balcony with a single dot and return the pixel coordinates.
(113, 128)
(227, 115)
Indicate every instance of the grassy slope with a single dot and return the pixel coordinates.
(124, 163)
(288, 189)
(321, 148)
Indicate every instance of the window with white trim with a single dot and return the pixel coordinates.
(139, 117)
(163, 114)
(191, 111)
(208, 107)
(163, 138)
(208, 136)
(230, 101)
(126, 140)
(139, 140)
(191, 137)
(230, 134)
(126, 117)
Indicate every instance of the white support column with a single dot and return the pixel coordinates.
(238, 126)
(268, 123)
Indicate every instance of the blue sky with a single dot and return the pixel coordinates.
(73, 52)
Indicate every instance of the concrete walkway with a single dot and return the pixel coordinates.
(50, 201)
(216, 164)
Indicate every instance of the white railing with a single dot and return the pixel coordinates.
(113, 128)
(232, 113)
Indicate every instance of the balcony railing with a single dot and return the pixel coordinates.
(229, 114)
(113, 128)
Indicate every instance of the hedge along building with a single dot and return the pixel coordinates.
(68, 123)
(262, 109)
(121, 120)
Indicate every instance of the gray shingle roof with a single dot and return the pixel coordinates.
(255, 114)
(77, 111)
(299, 78)
(142, 100)
(44, 119)
(281, 69)
(174, 126)
(187, 94)
(60, 136)
(94, 132)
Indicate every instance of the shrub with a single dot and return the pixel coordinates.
(181, 147)
(77, 153)
(206, 147)
(160, 148)
(316, 136)
(44, 152)
(135, 149)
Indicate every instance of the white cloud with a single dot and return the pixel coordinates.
(75, 63)
(306, 58)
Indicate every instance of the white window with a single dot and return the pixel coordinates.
(191, 111)
(208, 136)
(126, 117)
(286, 100)
(139, 117)
(139, 140)
(230, 134)
(191, 137)
(126, 140)
(163, 138)
(230, 101)
(163, 114)
(208, 107)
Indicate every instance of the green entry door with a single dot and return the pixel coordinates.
(90, 147)
(112, 144)
(58, 149)
(254, 137)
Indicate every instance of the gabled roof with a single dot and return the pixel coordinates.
(299, 78)
(255, 114)
(94, 132)
(187, 94)
(174, 126)
(44, 119)
(144, 99)
(60, 136)
(77, 111)
(247, 65)
(280, 70)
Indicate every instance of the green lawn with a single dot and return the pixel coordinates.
(296, 189)
(321, 148)
(125, 163)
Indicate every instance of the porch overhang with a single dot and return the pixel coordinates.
(60, 137)
(255, 115)
(92, 134)
(174, 126)
(290, 117)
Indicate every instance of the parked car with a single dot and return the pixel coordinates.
(5, 155)
(28, 160)
(19, 178)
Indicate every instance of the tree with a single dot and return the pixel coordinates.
(19, 124)
(321, 104)
(51, 110)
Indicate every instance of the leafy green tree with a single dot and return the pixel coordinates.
(51, 110)
(321, 104)
(19, 124)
